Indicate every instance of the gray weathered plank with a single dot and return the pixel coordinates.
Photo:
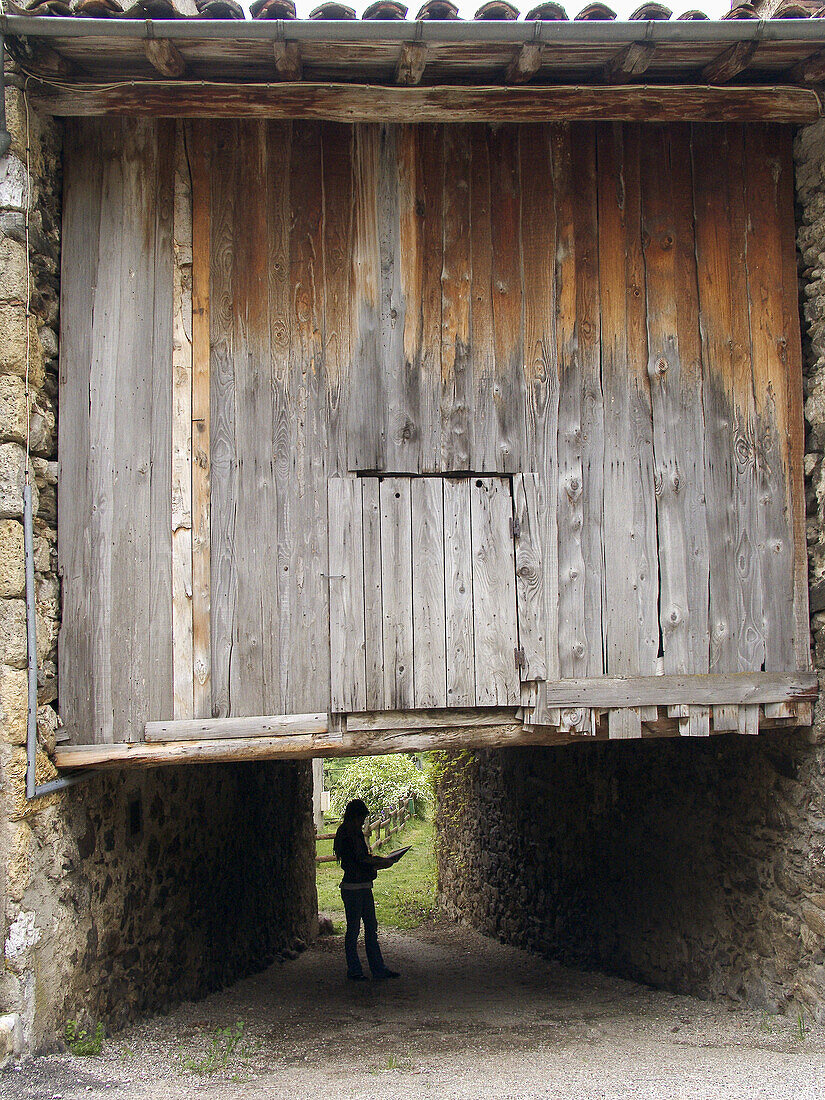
(429, 630)
(736, 688)
(494, 593)
(346, 597)
(373, 606)
(396, 591)
(458, 585)
(532, 615)
(456, 373)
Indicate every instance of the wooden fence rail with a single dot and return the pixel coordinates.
(383, 829)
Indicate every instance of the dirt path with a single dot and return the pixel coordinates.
(469, 1018)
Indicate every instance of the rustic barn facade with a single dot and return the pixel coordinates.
(446, 393)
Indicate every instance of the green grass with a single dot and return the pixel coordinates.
(404, 894)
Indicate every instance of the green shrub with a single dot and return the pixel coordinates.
(80, 1041)
(382, 782)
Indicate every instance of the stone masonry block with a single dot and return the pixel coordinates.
(19, 807)
(12, 408)
(12, 560)
(14, 704)
(12, 479)
(13, 345)
(12, 270)
(13, 647)
(14, 184)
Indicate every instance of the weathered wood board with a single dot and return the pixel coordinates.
(551, 312)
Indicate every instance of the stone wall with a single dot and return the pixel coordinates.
(695, 866)
(131, 889)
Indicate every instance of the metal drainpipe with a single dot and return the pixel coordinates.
(32, 789)
(5, 136)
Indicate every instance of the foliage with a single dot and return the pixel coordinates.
(223, 1045)
(81, 1041)
(382, 782)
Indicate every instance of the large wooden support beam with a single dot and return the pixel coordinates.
(411, 64)
(525, 64)
(736, 689)
(288, 64)
(629, 62)
(728, 64)
(164, 56)
(367, 103)
(811, 70)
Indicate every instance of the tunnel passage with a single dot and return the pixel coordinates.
(694, 866)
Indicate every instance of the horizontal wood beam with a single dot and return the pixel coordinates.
(735, 689)
(367, 103)
(300, 746)
(281, 725)
(811, 70)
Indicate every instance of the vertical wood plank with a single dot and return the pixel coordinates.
(198, 137)
(429, 630)
(373, 603)
(279, 153)
(254, 668)
(430, 207)
(82, 207)
(532, 617)
(401, 416)
(772, 460)
(678, 429)
(365, 416)
(494, 598)
(458, 573)
(503, 412)
(182, 623)
(346, 597)
(483, 331)
(538, 208)
(631, 573)
(396, 591)
(223, 473)
(160, 669)
(308, 676)
(338, 217)
(456, 374)
(791, 352)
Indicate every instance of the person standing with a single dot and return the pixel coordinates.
(360, 869)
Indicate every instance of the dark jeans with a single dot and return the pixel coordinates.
(359, 905)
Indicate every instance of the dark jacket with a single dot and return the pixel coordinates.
(354, 856)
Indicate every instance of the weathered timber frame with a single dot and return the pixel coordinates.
(356, 298)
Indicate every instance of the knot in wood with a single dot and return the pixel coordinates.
(661, 365)
(674, 616)
(578, 650)
(667, 241)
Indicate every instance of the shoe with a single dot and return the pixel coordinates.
(385, 974)
(356, 977)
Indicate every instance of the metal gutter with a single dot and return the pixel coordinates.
(482, 32)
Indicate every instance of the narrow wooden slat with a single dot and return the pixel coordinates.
(197, 135)
(358, 103)
(483, 424)
(182, 626)
(365, 418)
(631, 639)
(532, 616)
(697, 723)
(426, 718)
(458, 585)
(82, 208)
(275, 725)
(495, 630)
(279, 267)
(456, 374)
(338, 217)
(225, 194)
(429, 629)
(410, 261)
(308, 684)
(541, 377)
(160, 658)
(430, 153)
(373, 606)
(400, 419)
(396, 591)
(505, 411)
(346, 597)
(736, 689)
(749, 721)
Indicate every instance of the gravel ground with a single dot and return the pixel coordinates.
(468, 1018)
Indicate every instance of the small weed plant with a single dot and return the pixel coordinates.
(81, 1041)
(222, 1048)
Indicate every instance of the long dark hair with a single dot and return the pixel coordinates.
(355, 811)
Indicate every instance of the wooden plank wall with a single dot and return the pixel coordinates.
(115, 436)
(610, 308)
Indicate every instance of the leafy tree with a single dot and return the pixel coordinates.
(382, 782)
